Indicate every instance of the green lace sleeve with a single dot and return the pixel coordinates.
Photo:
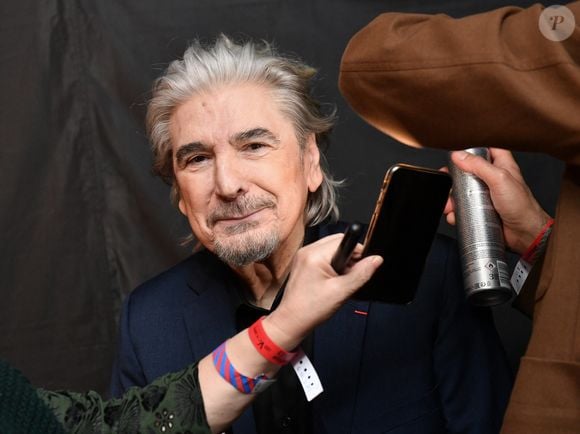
(171, 404)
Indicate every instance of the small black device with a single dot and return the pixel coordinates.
(405, 220)
(346, 247)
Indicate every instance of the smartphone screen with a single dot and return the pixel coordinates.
(402, 228)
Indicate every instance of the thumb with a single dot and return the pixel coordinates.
(361, 272)
(478, 166)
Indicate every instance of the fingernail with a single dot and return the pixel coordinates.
(461, 155)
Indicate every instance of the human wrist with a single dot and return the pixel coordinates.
(283, 330)
(530, 256)
(528, 234)
(243, 383)
(538, 245)
(266, 347)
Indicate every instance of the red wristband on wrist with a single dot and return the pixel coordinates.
(268, 349)
(536, 246)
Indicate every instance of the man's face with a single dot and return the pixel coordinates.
(242, 178)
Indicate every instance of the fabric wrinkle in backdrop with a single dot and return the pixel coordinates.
(83, 221)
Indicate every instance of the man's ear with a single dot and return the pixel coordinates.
(312, 164)
(175, 197)
(181, 207)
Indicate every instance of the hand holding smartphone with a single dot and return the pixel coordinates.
(405, 220)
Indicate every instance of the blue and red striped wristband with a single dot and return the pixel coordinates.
(231, 375)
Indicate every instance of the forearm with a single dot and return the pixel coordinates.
(222, 401)
(196, 400)
(494, 76)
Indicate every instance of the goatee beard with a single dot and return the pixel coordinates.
(241, 250)
(242, 244)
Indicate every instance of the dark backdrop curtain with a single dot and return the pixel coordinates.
(82, 219)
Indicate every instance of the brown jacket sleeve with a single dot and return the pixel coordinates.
(490, 79)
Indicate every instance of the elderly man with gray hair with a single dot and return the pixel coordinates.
(237, 133)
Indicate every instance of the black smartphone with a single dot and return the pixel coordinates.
(405, 220)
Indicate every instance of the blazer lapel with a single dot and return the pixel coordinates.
(210, 316)
(338, 345)
(209, 321)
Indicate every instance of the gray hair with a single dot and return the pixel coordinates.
(205, 67)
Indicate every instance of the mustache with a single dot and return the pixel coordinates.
(239, 208)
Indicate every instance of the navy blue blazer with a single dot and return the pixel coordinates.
(434, 366)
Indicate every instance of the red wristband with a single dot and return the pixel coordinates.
(268, 349)
(537, 245)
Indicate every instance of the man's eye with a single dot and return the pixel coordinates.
(196, 159)
(255, 146)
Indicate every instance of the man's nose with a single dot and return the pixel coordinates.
(230, 179)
